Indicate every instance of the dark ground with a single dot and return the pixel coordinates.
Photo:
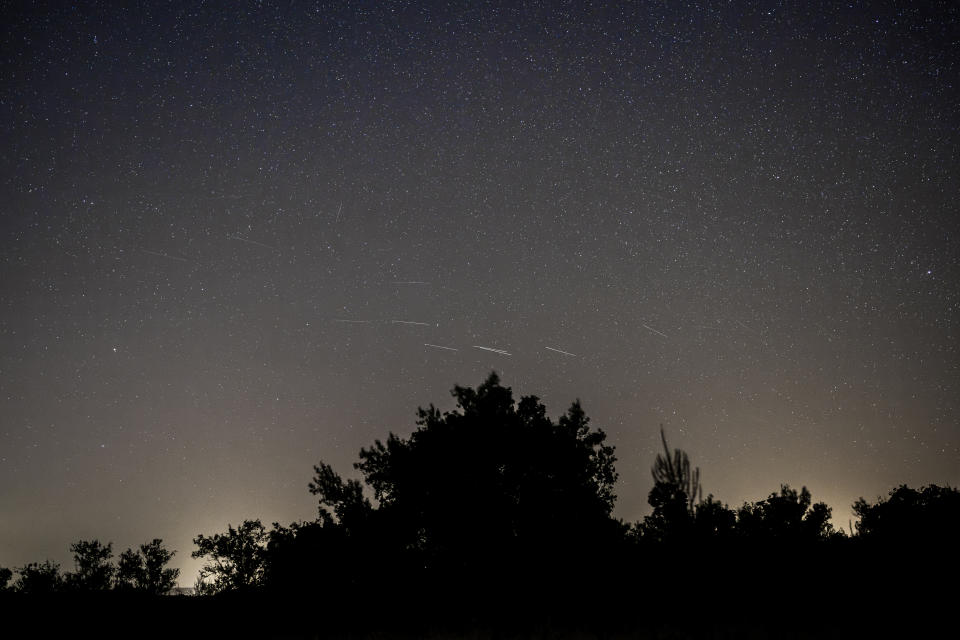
(783, 600)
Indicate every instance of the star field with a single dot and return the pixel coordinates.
(240, 238)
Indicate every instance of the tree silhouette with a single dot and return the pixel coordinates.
(129, 571)
(143, 570)
(93, 571)
(788, 516)
(673, 475)
(674, 496)
(5, 576)
(346, 500)
(36, 578)
(713, 521)
(237, 559)
(482, 489)
(907, 515)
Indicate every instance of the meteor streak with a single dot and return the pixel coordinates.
(659, 333)
(259, 244)
(436, 346)
(500, 351)
(164, 255)
(566, 353)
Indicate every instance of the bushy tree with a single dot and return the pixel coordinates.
(322, 556)
(144, 570)
(340, 501)
(485, 484)
(39, 578)
(129, 571)
(787, 516)
(5, 576)
(931, 514)
(93, 570)
(237, 558)
(713, 521)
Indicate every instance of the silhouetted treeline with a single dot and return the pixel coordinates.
(495, 514)
(137, 571)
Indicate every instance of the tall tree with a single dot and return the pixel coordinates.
(673, 477)
(674, 496)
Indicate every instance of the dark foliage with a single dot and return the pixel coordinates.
(493, 495)
(930, 515)
(713, 522)
(93, 571)
(674, 496)
(39, 578)
(494, 509)
(144, 570)
(236, 559)
(492, 480)
(787, 517)
(674, 479)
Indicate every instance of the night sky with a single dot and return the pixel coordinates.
(239, 240)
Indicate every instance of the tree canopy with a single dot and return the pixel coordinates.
(39, 578)
(236, 558)
(909, 515)
(145, 570)
(674, 497)
(93, 571)
(488, 481)
(787, 516)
